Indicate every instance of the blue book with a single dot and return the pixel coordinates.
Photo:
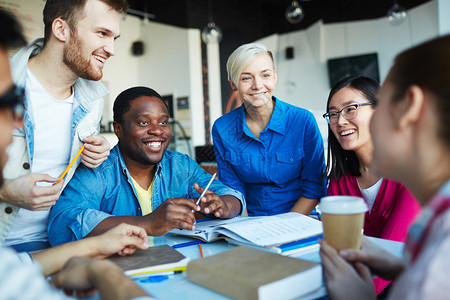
(303, 245)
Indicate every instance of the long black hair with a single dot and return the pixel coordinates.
(341, 162)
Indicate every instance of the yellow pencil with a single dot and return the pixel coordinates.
(201, 250)
(70, 165)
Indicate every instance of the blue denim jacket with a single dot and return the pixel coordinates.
(96, 194)
(272, 172)
(87, 105)
(87, 112)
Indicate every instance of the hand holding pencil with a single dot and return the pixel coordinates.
(70, 165)
(210, 202)
(96, 151)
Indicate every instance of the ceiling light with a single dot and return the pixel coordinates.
(396, 14)
(294, 13)
(211, 33)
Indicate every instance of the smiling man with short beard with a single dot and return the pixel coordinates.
(63, 108)
(81, 59)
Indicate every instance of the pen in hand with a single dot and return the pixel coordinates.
(206, 188)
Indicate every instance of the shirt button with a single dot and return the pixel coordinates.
(26, 166)
(291, 159)
(263, 159)
(8, 210)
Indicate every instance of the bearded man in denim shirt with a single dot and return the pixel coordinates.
(141, 182)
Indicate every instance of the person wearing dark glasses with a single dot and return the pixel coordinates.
(63, 107)
(13, 99)
(392, 208)
(22, 274)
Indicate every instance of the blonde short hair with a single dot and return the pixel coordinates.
(241, 57)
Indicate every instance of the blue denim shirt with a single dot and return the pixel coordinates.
(272, 172)
(96, 194)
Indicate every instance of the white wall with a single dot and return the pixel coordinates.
(444, 20)
(303, 81)
(166, 67)
(120, 71)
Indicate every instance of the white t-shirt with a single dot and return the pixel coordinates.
(370, 194)
(52, 142)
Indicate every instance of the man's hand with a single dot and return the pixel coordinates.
(172, 213)
(211, 203)
(122, 239)
(344, 281)
(96, 151)
(24, 192)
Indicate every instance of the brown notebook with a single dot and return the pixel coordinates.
(249, 273)
(153, 260)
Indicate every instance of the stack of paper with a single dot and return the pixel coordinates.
(264, 231)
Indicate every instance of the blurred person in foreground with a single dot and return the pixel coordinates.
(23, 275)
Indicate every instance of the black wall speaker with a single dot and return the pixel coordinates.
(137, 48)
(289, 52)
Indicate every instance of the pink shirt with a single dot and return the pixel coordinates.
(393, 211)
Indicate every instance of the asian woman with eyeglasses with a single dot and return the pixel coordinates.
(392, 208)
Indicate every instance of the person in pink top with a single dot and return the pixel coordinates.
(392, 208)
(411, 140)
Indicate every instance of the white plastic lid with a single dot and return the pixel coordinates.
(342, 205)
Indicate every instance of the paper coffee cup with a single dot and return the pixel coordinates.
(343, 220)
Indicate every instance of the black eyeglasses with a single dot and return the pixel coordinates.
(13, 99)
(349, 112)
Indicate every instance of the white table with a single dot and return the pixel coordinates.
(178, 287)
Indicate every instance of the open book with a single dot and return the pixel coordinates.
(264, 231)
(156, 259)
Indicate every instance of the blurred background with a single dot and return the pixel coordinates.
(180, 47)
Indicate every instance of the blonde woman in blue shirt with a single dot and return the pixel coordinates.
(267, 149)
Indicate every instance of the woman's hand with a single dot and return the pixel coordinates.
(343, 280)
(379, 261)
